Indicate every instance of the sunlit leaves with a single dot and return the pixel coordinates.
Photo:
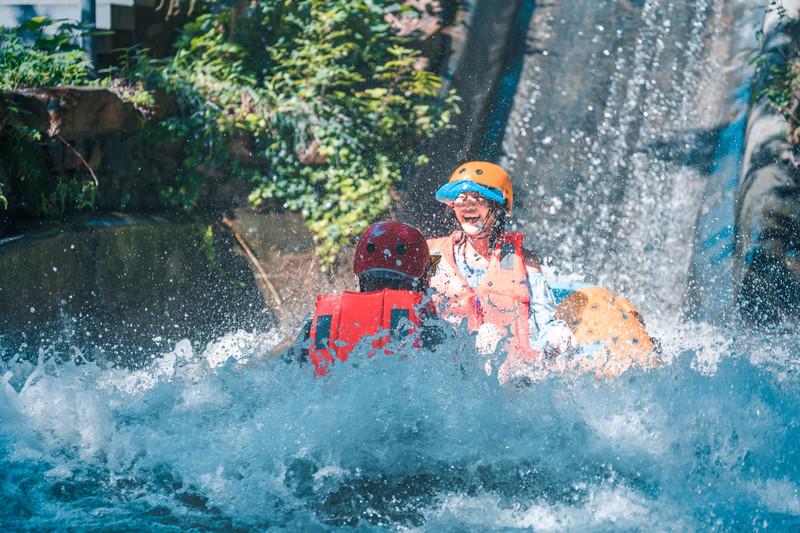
(40, 53)
(778, 81)
(332, 99)
(325, 105)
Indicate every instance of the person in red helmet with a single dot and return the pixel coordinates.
(488, 279)
(393, 266)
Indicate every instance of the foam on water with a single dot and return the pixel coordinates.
(424, 440)
(222, 437)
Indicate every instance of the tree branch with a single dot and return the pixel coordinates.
(79, 156)
(255, 264)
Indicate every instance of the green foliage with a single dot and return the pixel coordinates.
(316, 102)
(132, 76)
(212, 260)
(778, 76)
(775, 79)
(325, 99)
(36, 189)
(40, 52)
(68, 193)
(3, 199)
(30, 56)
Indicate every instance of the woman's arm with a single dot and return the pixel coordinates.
(548, 334)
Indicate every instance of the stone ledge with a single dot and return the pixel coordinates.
(76, 112)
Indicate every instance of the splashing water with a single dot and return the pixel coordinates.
(613, 132)
(223, 437)
(191, 440)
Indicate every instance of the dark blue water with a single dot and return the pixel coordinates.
(710, 440)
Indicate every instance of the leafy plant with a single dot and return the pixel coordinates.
(775, 73)
(327, 104)
(131, 77)
(212, 259)
(40, 52)
(316, 102)
(778, 76)
(68, 192)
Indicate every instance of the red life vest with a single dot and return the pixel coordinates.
(502, 296)
(342, 320)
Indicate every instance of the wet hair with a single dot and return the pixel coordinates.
(499, 227)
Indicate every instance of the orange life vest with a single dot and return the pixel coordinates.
(342, 320)
(502, 296)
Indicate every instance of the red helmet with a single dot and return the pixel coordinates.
(392, 247)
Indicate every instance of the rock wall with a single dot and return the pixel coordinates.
(123, 286)
(767, 254)
(84, 128)
(478, 36)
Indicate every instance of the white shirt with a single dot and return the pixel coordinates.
(545, 328)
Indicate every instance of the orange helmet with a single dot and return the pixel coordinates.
(391, 247)
(486, 179)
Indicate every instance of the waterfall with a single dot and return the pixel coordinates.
(617, 131)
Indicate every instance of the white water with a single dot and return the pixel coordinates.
(216, 437)
(617, 169)
(195, 440)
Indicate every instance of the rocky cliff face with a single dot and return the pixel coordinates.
(113, 282)
(767, 257)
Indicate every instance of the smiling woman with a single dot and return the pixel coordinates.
(475, 213)
(487, 277)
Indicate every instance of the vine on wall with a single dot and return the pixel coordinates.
(319, 103)
(40, 53)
